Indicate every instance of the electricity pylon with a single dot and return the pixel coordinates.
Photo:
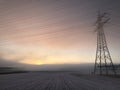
(103, 60)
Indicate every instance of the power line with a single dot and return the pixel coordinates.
(46, 33)
(48, 38)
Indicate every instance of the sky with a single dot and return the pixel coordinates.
(39, 32)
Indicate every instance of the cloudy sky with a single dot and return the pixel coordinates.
(55, 31)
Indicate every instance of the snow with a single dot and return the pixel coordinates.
(57, 81)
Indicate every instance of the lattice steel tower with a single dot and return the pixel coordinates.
(103, 60)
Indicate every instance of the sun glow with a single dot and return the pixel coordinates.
(33, 62)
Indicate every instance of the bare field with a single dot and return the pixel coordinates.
(57, 81)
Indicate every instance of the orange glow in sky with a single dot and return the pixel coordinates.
(52, 32)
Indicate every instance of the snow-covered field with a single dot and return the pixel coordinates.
(57, 81)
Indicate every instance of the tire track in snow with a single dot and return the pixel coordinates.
(56, 81)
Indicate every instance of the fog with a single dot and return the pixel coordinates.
(83, 68)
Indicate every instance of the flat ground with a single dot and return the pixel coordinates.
(57, 81)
